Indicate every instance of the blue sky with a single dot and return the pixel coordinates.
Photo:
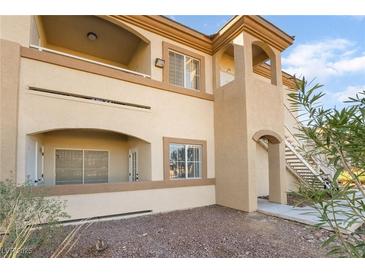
(330, 49)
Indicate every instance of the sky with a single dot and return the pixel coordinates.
(328, 49)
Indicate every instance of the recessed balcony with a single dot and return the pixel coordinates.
(95, 40)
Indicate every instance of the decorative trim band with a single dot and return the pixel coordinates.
(59, 190)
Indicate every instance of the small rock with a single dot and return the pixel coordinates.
(101, 245)
(318, 234)
(144, 234)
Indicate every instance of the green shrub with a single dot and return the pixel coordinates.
(27, 219)
(337, 134)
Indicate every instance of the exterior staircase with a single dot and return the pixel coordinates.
(306, 169)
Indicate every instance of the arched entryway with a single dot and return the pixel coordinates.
(273, 144)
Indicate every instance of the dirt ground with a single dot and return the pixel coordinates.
(212, 231)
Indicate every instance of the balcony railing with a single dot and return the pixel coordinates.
(89, 61)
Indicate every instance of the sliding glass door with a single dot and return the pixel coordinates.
(81, 166)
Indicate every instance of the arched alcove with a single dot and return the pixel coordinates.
(263, 57)
(86, 156)
(226, 65)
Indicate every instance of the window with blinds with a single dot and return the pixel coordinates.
(184, 71)
(81, 166)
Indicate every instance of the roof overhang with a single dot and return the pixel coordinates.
(254, 25)
(257, 27)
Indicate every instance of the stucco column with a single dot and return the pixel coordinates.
(277, 182)
(9, 80)
(276, 72)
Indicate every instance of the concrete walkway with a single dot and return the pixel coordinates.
(306, 215)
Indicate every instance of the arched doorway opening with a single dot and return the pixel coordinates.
(270, 166)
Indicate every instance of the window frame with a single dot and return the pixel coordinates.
(166, 48)
(167, 141)
(185, 57)
(83, 164)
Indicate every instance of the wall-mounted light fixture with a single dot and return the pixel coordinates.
(91, 36)
(160, 63)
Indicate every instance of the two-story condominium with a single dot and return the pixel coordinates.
(123, 114)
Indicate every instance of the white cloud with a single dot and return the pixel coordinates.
(324, 59)
(350, 91)
(358, 17)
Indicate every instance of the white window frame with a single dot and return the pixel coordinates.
(184, 69)
(83, 162)
(186, 146)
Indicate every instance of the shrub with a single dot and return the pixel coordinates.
(22, 213)
(337, 134)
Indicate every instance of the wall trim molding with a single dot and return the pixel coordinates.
(60, 190)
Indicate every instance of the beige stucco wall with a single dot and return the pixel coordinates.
(171, 115)
(262, 171)
(226, 63)
(292, 182)
(9, 77)
(16, 29)
(157, 200)
(240, 112)
(141, 60)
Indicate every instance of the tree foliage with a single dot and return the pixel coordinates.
(337, 135)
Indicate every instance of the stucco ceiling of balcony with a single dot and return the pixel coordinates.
(258, 54)
(113, 42)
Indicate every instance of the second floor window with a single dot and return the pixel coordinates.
(184, 71)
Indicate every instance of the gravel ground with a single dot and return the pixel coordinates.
(212, 231)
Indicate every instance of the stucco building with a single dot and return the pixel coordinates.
(121, 114)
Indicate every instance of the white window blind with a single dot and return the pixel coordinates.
(81, 166)
(184, 71)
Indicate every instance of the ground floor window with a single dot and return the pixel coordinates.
(184, 159)
(75, 166)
